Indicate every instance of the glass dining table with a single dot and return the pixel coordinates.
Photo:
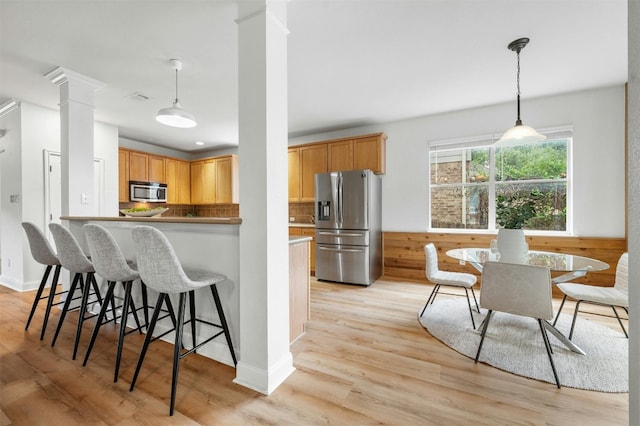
(574, 267)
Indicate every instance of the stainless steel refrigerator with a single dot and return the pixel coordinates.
(348, 227)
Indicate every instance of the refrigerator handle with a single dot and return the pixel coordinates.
(340, 198)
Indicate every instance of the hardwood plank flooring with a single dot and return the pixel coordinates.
(363, 360)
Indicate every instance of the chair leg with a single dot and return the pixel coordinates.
(148, 337)
(145, 303)
(176, 350)
(101, 315)
(52, 294)
(223, 322)
(83, 310)
(65, 307)
(575, 315)
(123, 327)
(547, 345)
(559, 310)
(484, 332)
(36, 300)
(192, 309)
(473, 323)
(431, 295)
(620, 321)
(475, 300)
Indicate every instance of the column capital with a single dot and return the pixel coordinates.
(60, 75)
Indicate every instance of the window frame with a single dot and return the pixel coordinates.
(565, 132)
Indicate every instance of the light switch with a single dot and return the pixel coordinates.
(84, 199)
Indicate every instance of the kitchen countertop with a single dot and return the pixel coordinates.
(161, 219)
(301, 225)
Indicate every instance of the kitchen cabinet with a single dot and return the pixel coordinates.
(215, 180)
(123, 175)
(178, 177)
(146, 167)
(362, 152)
(304, 162)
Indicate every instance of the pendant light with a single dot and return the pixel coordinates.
(519, 134)
(175, 116)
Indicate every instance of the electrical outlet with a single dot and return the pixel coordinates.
(292, 219)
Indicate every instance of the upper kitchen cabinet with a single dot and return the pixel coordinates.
(215, 180)
(178, 177)
(123, 175)
(304, 162)
(357, 153)
(146, 167)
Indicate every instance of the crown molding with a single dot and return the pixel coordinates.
(60, 75)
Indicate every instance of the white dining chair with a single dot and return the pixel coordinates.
(607, 296)
(518, 289)
(446, 278)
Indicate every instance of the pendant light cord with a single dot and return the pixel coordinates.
(518, 122)
(176, 101)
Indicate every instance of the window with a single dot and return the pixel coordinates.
(473, 183)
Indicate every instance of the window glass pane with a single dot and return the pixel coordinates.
(543, 204)
(542, 160)
(458, 207)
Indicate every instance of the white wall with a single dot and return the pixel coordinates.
(597, 118)
(31, 130)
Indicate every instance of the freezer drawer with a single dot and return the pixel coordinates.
(342, 236)
(342, 263)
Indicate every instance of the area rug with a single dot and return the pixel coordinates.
(514, 344)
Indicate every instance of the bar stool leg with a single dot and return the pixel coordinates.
(65, 307)
(148, 337)
(123, 327)
(192, 309)
(176, 350)
(83, 309)
(52, 294)
(223, 322)
(145, 303)
(101, 315)
(36, 300)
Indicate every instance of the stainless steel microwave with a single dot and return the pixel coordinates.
(148, 192)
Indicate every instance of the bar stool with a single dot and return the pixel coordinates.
(44, 254)
(73, 259)
(110, 264)
(161, 270)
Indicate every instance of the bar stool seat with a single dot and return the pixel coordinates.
(44, 254)
(73, 259)
(110, 264)
(161, 270)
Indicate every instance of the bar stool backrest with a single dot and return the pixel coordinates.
(106, 256)
(71, 256)
(41, 250)
(158, 265)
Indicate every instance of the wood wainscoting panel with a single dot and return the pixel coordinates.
(404, 253)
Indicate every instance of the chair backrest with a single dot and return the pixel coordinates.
(41, 250)
(158, 264)
(622, 274)
(431, 254)
(106, 256)
(71, 256)
(517, 289)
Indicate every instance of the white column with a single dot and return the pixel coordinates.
(76, 141)
(633, 214)
(265, 358)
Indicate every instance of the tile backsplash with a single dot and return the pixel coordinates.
(302, 212)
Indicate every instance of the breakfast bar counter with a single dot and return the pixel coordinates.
(205, 243)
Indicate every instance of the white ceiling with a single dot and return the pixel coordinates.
(351, 62)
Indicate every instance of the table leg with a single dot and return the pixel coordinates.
(568, 343)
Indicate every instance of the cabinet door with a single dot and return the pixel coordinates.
(123, 175)
(340, 156)
(295, 231)
(196, 182)
(369, 153)
(311, 232)
(178, 181)
(294, 174)
(156, 169)
(313, 159)
(209, 181)
(226, 180)
(138, 166)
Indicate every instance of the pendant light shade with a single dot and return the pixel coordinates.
(175, 116)
(519, 134)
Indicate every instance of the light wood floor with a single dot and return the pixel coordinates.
(364, 359)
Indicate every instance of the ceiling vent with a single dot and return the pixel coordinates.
(137, 96)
